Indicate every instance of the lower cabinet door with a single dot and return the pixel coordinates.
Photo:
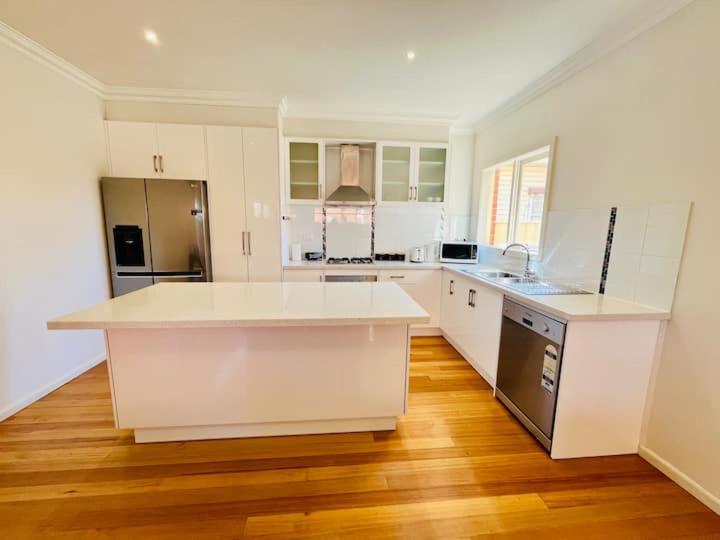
(484, 340)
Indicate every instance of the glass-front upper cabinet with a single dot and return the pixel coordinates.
(395, 174)
(431, 173)
(411, 173)
(305, 171)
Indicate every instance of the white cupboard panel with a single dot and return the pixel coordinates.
(133, 149)
(182, 148)
(262, 204)
(423, 286)
(226, 197)
(303, 275)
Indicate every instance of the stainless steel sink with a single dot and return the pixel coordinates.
(532, 286)
(492, 275)
(525, 285)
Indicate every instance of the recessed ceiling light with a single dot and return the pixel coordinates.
(411, 55)
(151, 37)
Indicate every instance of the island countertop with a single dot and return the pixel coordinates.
(208, 305)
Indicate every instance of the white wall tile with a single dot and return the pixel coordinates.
(657, 277)
(623, 274)
(630, 227)
(666, 227)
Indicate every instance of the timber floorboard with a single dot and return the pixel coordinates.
(458, 466)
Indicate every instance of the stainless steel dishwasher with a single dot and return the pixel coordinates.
(531, 347)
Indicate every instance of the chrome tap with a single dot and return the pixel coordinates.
(527, 273)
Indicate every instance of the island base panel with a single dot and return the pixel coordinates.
(197, 383)
(193, 433)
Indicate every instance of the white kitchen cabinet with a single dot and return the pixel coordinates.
(181, 151)
(423, 286)
(147, 150)
(303, 275)
(133, 149)
(305, 171)
(411, 173)
(226, 198)
(471, 318)
(262, 204)
(243, 193)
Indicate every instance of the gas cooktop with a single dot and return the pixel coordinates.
(346, 260)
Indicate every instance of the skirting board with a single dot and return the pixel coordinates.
(682, 479)
(272, 429)
(19, 405)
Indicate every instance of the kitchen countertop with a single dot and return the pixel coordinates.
(377, 265)
(565, 306)
(571, 307)
(206, 305)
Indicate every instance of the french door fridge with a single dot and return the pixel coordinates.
(157, 230)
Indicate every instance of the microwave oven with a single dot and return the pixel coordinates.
(459, 252)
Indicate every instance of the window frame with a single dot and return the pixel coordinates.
(517, 163)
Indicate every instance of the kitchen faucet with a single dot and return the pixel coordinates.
(527, 273)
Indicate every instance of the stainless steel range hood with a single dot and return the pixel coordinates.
(349, 193)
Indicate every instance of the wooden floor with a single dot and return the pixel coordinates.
(458, 466)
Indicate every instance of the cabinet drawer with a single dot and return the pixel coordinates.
(406, 276)
(303, 275)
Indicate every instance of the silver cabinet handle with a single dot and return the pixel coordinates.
(471, 297)
(410, 195)
(161, 167)
(451, 289)
(249, 244)
(243, 242)
(397, 277)
(415, 186)
(155, 162)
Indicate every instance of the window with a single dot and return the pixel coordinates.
(512, 203)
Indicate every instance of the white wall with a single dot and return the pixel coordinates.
(182, 113)
(639, 127)
(351, 129)
(53, 258)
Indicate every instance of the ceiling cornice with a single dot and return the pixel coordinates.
(633, 25)
(49, 59)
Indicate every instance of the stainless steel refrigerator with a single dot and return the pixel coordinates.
(157, 230)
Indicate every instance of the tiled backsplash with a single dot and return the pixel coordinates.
(645, 258)
(646, 253)
(397, 229)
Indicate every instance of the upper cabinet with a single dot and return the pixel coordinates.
(411, 173)
(395, 166)
(431, 174)
(181, 151)
(147, 150)
(305, 170)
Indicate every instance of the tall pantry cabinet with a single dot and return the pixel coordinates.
(244, 200)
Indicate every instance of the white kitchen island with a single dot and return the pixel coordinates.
(216, 360)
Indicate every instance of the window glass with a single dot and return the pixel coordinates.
(513, 201)
(498, 205)
(531, 201)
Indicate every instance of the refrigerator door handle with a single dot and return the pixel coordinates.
(249, 244)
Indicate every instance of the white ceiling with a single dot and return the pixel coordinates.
(326, 56)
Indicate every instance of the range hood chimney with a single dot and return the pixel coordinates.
(349, 193)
